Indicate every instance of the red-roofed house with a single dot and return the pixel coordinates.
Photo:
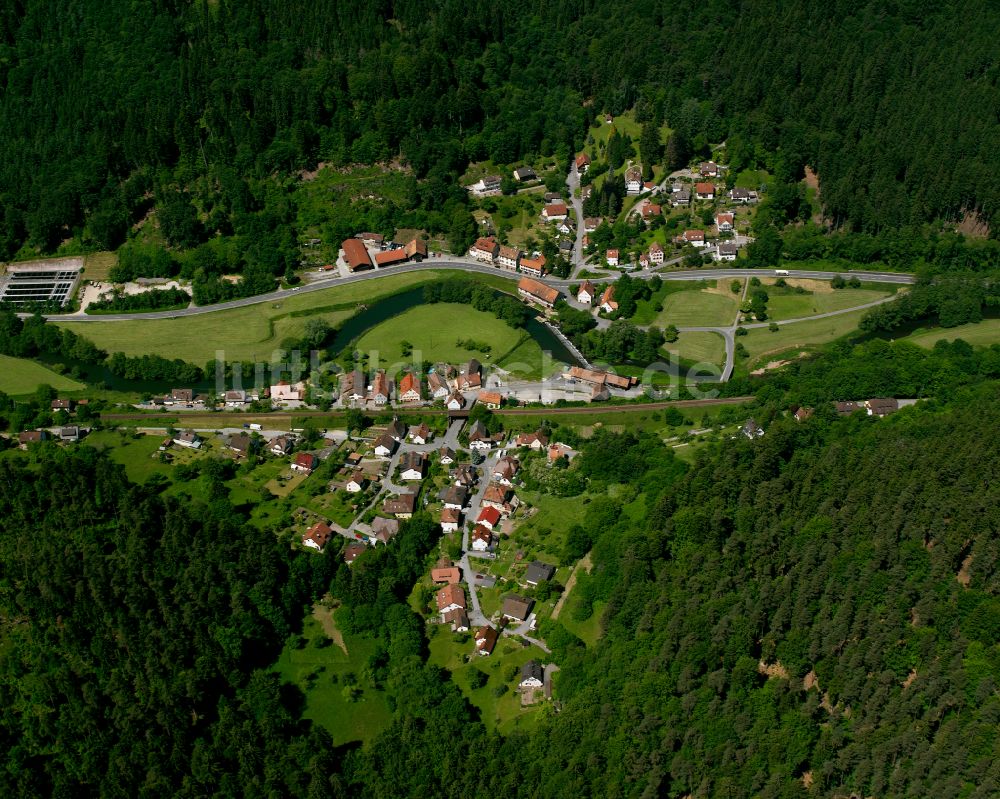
(356, 255)
(482, 537)
(608, 304)
(509, 257)
(451, 597)
(611, 256)
(390, 257)
(317, 536)
(582, 163)
(586, 293)
(491, 399)
(486, 639)
(488, 518)
(485, 249)
(724, 221)
(656, 253)
(533, 266)
(704, 191)
(555, 212)
(409, 388)
(305, 463)
(694, 237)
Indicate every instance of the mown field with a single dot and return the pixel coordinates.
(20, 376)
(762, 344)
(981, 334)
(697, 347)
(242, 333)
(703, 308)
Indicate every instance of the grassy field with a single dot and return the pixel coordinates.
(247, 333)
(504, 712)
(761, 343)
(97, 265)
(435, 330)
(134, 453)
(21, 376)
(698, 347)
(792, 306)
(325, 674)
(705, 308)
(981, 334)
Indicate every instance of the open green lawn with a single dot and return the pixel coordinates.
(134, 452)
(243, 333)
(504, 712)
(697, 347)
(761, 343)
(588, 630)
(981, 334)
(792, 306)
(698, 309)
(21, 376)
(435, 330)
(324, 676)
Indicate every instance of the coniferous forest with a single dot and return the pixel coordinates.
(112, 108)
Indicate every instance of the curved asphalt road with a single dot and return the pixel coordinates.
(465, 266)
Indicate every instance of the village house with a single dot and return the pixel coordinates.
(409, 388)
(500, 497)
(421, 434)
(708, 169)
(651, 210)
(374, 240)
(751, 429)
(582, 163)
(446, 574)
(552, 197)
(724, 221)
(485, 249)
(558, 450)
(479, 437)
(539, 572)
(531, 675)
(283, 391)
(352, 551)
(356, 255)
(586, 191)
(280, 446)
(488, 518)
(486, 639)
(464, 476)
(234, 398)
(881, 407)
(32, 437)
(656, 253)
(509, 257)
(725, 251)
(437, 384)
(644, 261)
(384, 530)
(536, 441)
(189, 439)
(680, 196)
(385, 445)
(416, 250)
(317, 536)
(450, 519)
(633, 180)
(458, 619)
(534, 266)
(446, 455)
(608, 304)
(591, 223)
(179, 395)
(239, 443)
(491, 399)
(454, 497)
(523, 173)
(397, 255)
(565, 227)
(847, 408)
(533, 291)
(396, 429)
(471, 376)
(451, 597)
(357, 482)
(62, 405)
(69, 435)
(305, 463)
(803, 413)
(555, 212)
(743, 196)
(695, 238)
(401, 505)
(491, 184)
(380, 388)
(353, 386)
(585, 294)
(505, 470)
(455, 402)
(566, 248)
(482, 537)
(517, 608)
(611, 257)
(411, 466)
(704, 191)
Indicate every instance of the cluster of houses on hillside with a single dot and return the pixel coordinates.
(489, 251)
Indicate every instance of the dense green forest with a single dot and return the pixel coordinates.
(817, 606)
(112, 108)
